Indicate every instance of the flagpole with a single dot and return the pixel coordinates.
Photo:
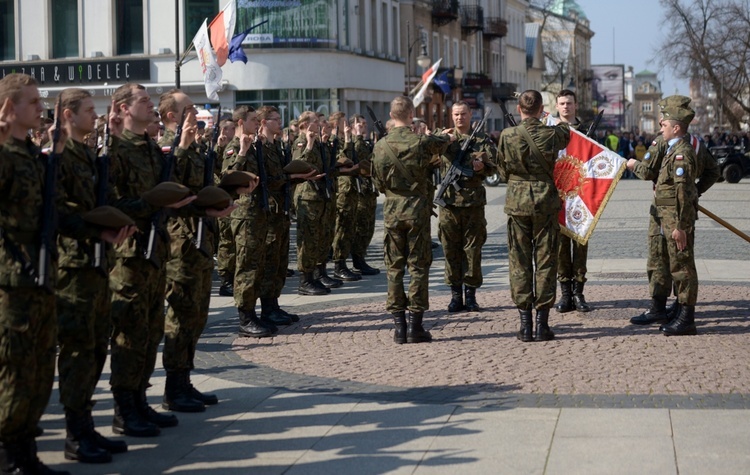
(178, 60)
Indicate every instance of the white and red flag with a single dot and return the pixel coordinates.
(207, 58)
(427, 78)
(585, 174)
(221, 30)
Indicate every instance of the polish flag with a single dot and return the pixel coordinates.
(222, 30)
(427, 78)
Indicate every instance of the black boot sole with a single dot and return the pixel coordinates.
(95, 460)
(130, 433)
(169, 406)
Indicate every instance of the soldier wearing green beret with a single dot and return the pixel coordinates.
(527, 155)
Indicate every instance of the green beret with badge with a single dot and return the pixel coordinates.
(166, 193)
(298, 166)
(213, 197)
(236, 179)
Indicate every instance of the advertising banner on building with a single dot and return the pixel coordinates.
(608, 92)
(291, 23)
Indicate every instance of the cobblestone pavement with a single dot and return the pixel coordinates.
(343, 343)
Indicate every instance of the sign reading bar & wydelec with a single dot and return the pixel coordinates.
(81, 72)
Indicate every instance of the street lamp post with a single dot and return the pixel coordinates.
(422, 60)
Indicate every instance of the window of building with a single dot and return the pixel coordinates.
(447, 51)
(7, 30)
(384, 36)
(647, 107)
(65, 29)
(129, 26)
(457, 55)
(195, 11)
(435, 47)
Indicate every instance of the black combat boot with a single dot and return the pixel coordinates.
(565, 304)
(321, 275)
(148, 413)
(525, 332)
(673, 310)
(30, 462)
(128, 420)
(399, 319)
(113, 446)
(250, 325)
(79, 440)
(307, 285)
(12, 457)
(578, 300)
(177, 396)
(341, 271)
(358, 262)
(226, 289)
(656, 313)
(207, 399)
(415, 333)
(292, 316)
(270, 315)
(471, 304)
(457, 299)
(683, 324)
(543, 332)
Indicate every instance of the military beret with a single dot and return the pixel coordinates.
(166, 193)
(298, 166)
(680, 114)
(213, 197)
(236, 179)
(343, 162)
(108, 217)
(675, 101)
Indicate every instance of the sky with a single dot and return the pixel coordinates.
(637, 34)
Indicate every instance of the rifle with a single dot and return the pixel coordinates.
(47, 244)
(595, 124)
(261, 172)
(158, 216)
(358, 178)
(378, 125)
(102, 188)
(508, 116)
(326, 193)
(457, 170)
(287, 157)
(208, 180)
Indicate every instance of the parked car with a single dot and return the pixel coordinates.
(733, 162)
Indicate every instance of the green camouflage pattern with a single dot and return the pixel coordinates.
(571, 260)
(463, 232)
(250, 242)
(277, 233)
(533, 268)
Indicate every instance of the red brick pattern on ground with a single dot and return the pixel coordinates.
(594, 353)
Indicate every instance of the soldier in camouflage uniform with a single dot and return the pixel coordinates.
(249, 227)
(402, 165)
(189, 269)
(657, 264)
(571, 255)
(527, 155)
(462, 226)
(83, 295)
(226, 252)
(28, 326)
(138, 280)
(364, 224)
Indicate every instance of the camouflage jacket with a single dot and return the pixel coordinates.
(675, 194)
(473, 192)
(309, 189)
(278, 180)
(531, 189)
(249, 205)
(359, 151)
(406, 199)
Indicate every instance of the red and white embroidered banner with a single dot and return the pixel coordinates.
(586, 174)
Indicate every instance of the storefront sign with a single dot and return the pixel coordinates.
(82, 72)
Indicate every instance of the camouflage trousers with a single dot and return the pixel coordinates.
(310, 232)
(250, 239)
(277, 256)
(667, 266)
(328, 224)
(571, 260)
(84, 328)
(532, 256)
(408, 245)
(345, 227)
(188, 298)
(138, 291)
(364, 223)
(28, 337)
(226, 253)
(463, 232)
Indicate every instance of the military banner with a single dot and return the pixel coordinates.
(585, 174)
(207, 59)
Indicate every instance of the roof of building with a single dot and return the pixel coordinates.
(532, 36)
(566, 7)
(646, 72)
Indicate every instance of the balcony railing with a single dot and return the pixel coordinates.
(495, 27)
(472, 18)
(444, 11)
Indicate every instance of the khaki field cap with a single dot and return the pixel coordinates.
(166, 193)
(680, 114)
(108, 217)
(298, 166)
(675, 101)
(237, 179)
(213, 197)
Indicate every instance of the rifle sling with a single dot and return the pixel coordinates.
(404, 171)
(535, 150)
